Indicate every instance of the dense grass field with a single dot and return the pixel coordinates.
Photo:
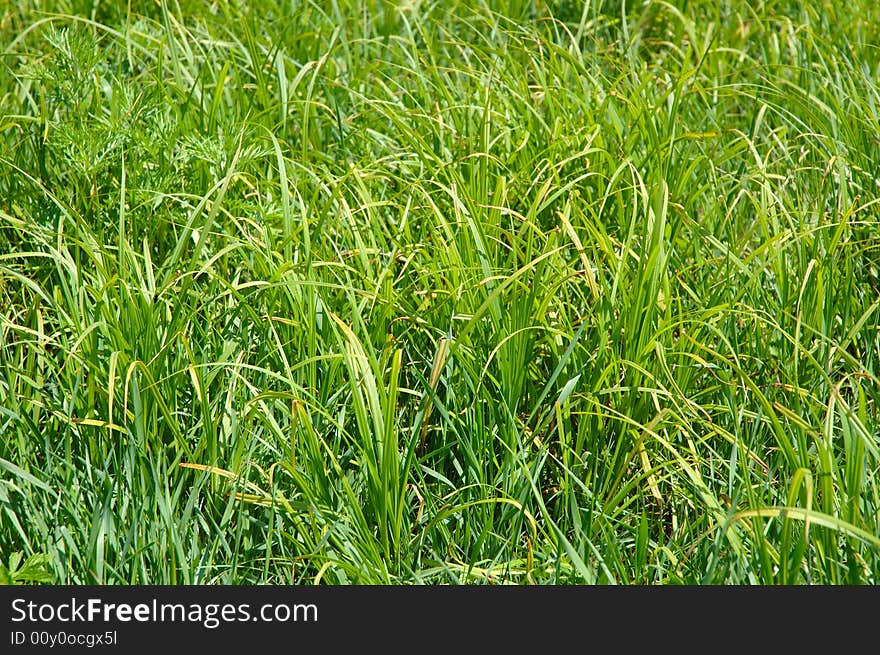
(374, 291)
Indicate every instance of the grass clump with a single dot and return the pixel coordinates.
(402, 292)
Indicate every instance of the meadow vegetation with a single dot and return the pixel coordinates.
(374, 291)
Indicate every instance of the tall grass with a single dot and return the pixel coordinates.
(413, 292)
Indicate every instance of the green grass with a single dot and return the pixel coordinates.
(430, 292)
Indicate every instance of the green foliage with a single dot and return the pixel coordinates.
(34, 569)
(495, 292)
